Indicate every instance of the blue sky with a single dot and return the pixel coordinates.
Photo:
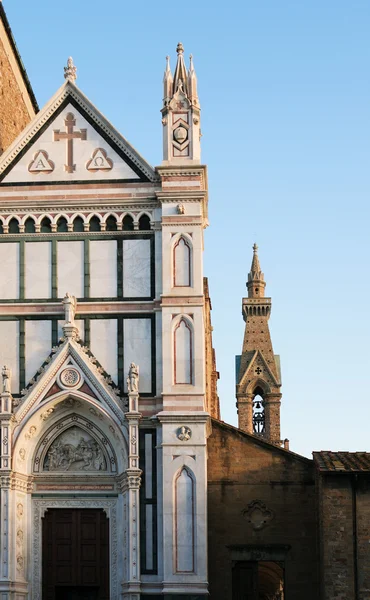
(285, 95)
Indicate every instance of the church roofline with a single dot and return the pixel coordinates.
(70, 90)
(27, 83)
(261, 442)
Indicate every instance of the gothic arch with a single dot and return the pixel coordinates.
(258, 383)
(182, 259)
(183, 352)
(184, 520)
(97, 452)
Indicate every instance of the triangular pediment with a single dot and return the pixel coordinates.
(258, 368)
(71, 141)
(71, 371)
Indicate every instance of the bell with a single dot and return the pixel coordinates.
(258, 405)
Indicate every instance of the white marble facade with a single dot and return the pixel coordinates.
(95, 398)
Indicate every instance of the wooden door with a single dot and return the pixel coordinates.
(75, 562)
(245, 581)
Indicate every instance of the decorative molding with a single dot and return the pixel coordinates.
(39, 507)
(258, 515)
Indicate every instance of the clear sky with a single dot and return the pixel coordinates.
(284, 88)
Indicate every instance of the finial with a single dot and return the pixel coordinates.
(70, 71)
(180, 48)
(168, 68)
(255, 248)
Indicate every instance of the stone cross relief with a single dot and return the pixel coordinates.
(70, 305)
(133, 379)
(69, 135)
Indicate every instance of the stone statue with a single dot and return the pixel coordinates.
(133, 378)
(180, 86)
(70, 304)
(6, 373)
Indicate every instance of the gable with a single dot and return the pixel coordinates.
(69, 141)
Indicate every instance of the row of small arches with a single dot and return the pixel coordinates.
(77, 224)
(258, 310)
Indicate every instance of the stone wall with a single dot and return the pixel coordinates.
(344, 515)
(241, 471)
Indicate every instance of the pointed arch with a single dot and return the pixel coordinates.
(183, 351)
(13, 225)
(184, 520)
(182, 252)
(29, 225)
(128, 222)
(144, 222)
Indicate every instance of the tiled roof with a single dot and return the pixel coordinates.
(345, 462)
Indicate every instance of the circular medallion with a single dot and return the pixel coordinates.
(70, 377)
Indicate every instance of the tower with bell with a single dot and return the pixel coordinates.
(180, 113)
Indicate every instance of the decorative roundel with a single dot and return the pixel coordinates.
(70, 377)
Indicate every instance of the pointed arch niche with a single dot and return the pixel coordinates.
(184, 522)
(182, 261)
(183, 352)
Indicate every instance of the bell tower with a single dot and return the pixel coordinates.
(258, 369)
(180, 113)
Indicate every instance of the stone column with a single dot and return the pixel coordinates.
(132, 585)
(245, 412)
(272, 418)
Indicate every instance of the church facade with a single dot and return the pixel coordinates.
(118, 478)
(102, 334)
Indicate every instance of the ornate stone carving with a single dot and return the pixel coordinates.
(70, 71)
(181, 209)
(184, 433)
(22, 454)
(75, 450)
(31, 432)
(47, 413)
(99, 161)
(41, 163)
(70, 377)
(70, 304)
(39, 509)
(258, 515)
(133, 379)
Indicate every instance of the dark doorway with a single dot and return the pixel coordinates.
(75, 551)
(263, 580)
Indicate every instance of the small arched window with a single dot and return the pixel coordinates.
(128, 223)
(45, 225)
(182, 263)
(1, 227)
(13, 226)
(183, 353)
(111, 223)
(144, 223)
(94, 224)
(78, 224)
(62, 224)
(29, 226)
(258, 412)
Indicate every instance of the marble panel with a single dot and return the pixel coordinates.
(181, 263)
(103, 269)
(103, 343)
(137, 348)
(136, 268)
(38, 345)
(9, 280)
(9, 350)
(71, 269)
(184, 531)
(38, 269)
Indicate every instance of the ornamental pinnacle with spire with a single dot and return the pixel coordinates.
(258, 379)
(180, 112)
(70, 71)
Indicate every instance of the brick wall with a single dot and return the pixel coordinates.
(240, 471)
(14, 115)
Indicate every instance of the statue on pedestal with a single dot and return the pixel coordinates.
(6, 373)
(70, 304)
(133, 379)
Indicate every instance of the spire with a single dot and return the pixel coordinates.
(256, 284)
(192, 82)
(70, 71)
(180, 76)
(167, 83)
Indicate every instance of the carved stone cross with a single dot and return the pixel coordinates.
(69, 136)
(258, 371)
